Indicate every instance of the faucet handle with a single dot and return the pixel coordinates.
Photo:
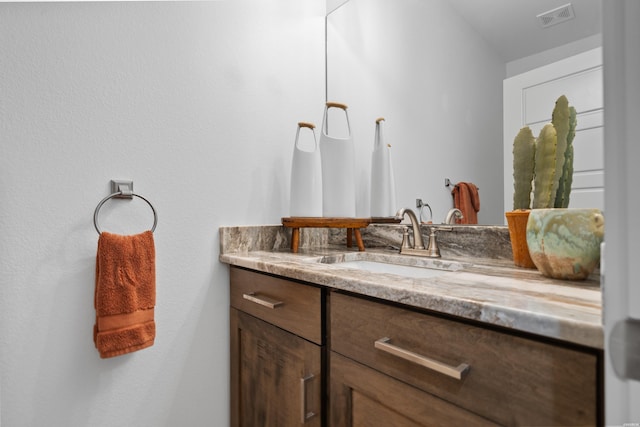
(433, 249)
(405, 239)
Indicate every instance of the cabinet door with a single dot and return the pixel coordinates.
(361, 396)
(275, 375)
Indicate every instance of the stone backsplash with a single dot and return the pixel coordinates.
(464, 240)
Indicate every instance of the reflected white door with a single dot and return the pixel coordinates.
(621, 287)
(529, 99)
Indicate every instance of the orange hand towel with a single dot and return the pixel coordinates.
(467, 199)
(125, 293)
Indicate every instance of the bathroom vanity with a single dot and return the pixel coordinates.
(317, 339)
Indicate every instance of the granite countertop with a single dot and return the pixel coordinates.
(487, 289)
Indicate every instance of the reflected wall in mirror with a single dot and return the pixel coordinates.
(427, 69)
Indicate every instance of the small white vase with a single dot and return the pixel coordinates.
(383, 189)
(338, 170)
(306, 177)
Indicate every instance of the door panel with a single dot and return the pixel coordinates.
(583, 89)
(588, 150)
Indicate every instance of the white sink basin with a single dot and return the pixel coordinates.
(399, 270)
(399, 265)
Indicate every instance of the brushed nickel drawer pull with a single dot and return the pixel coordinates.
(457, 372)
(264, 301)
(305, 414)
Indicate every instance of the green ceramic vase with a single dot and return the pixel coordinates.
(565, 243)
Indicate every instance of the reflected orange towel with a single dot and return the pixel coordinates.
(125, 293)
(467, 199)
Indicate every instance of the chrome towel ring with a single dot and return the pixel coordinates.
(126, 194)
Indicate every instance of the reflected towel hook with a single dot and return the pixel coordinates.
(448, 183)
(124, 190)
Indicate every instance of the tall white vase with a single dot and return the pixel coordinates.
(306, 176)
(338, 170)
(383, 188)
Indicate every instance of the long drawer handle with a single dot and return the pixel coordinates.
(305, 415)
(264, 301)
(457, 372)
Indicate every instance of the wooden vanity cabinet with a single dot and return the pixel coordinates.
(395, 366)
(276, 351)
(303, 355)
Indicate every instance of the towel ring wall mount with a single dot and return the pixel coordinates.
(448, 183)
(122, 190)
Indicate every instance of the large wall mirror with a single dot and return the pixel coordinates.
(434, 69)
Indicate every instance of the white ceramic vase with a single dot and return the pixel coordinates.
(338, 170)
(306, 175)
(383, 189)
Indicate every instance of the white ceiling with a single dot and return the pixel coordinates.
(512, 28)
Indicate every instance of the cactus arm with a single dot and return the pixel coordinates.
(573, 122)
(561, 121)
(564, 187)
(568, 177)
(546, 176)
(523, 164)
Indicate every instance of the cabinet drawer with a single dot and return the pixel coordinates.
(292, 306)
(361, 396)
(511, 380)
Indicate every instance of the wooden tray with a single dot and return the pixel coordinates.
(386, 220)
(353, 226)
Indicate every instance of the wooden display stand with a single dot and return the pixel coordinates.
(353, 226)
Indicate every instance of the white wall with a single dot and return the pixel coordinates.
(438, 84)
(198, 104)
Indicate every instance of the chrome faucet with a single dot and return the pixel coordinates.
(453, 213)
(418, 244)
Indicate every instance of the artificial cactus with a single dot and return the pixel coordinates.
(564, 187)
(547, 173)
(548, 161)
(523, 163)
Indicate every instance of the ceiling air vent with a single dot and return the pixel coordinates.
(556, 16)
